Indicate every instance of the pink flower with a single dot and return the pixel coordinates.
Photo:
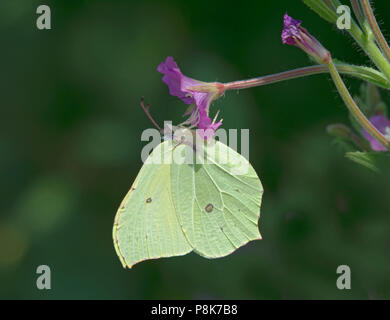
(295, 35)
(383, 125)
(191, 91)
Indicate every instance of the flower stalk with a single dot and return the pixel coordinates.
(364, 73)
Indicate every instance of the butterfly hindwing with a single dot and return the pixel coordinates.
(218, 201)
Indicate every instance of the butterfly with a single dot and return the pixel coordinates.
(202, 197)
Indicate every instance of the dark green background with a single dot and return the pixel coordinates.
(70, 150)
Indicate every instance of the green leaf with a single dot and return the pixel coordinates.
(364, 73)
(322, 10)
(376, 161)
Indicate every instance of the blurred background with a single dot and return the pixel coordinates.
(70, 149)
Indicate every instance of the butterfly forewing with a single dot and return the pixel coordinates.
(146, 224)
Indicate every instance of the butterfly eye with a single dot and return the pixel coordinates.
(148, 200)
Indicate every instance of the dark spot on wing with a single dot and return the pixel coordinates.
(148, 200)
(209, 208)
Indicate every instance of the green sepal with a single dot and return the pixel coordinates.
(381, 109)
(376, 161)
(346, 138)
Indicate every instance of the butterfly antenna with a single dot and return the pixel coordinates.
(146, 109)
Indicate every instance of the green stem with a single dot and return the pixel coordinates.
(354, 109)
(371, 49)
(377, 57)
(363, 39)
(367, 74)
(358, 11)
(369, 14)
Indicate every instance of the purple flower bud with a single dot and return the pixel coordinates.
(293, 34)
(191, 91)
(383, 125)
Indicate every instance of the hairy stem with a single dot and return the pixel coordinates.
(358, 11)
(371, 49)
(369, 14)
(353, 108)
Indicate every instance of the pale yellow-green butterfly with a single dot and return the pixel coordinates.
(210, 205)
